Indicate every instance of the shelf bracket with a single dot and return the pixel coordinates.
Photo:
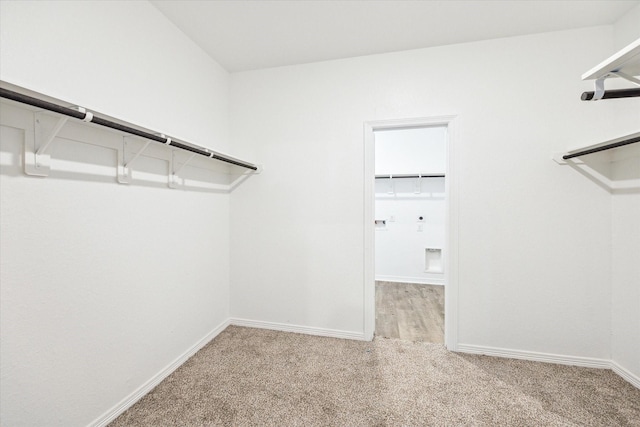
(243, 177)
(417, 186)
(599, 91)
(124, 165)
(626, 77)
(174, 179)
(128, 164)
(37, 162)
(48, 139)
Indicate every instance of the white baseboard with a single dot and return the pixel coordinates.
(418, 280)
(632, 379)
(128, 401)
(309, 330)
(589, 362)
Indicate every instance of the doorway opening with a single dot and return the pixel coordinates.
(410, 289)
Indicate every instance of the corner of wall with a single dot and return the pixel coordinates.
(146, 388)
(627, 28)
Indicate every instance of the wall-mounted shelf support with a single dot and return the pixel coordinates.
(392, 188)
(48, 139)
(174, 175)
(625, 76)
(133, 159)
(417, 185)
(37, 162)
(124, 165)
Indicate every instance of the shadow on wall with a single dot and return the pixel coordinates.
(86, 152)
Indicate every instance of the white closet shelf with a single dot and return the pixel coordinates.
(411, 175)
(601, 146)
(37, 160)
(624, 64)
(626, 61)
(606, 176)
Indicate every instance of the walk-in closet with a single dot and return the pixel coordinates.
(319, 213)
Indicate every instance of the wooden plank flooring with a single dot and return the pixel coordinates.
(410, 311)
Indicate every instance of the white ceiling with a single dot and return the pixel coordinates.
(247, 35)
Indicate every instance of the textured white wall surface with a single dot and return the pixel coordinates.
(625, 210)
(530, 277)
(104, 285)
(123, 59)
(627, 29)
(625, 337)
(411, 151)
(401, 242)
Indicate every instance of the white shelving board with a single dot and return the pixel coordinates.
(599, 144)
(626, 60)
(604, 179)
(412, 175)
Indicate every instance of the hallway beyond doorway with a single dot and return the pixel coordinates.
(410, 311)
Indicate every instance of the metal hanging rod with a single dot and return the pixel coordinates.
(602, 148)
(612, 94)
(89, 117)
(427, 175)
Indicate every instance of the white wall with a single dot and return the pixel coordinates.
(104, 285)
(625, 209)
(625, 326)
(400, 242)
(123, 59)
(627, 28)
(530, 277)
(411, 151)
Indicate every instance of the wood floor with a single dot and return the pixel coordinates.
(410, 311)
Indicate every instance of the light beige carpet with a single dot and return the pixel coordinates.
(265, 378)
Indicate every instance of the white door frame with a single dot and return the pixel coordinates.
(450, 250)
